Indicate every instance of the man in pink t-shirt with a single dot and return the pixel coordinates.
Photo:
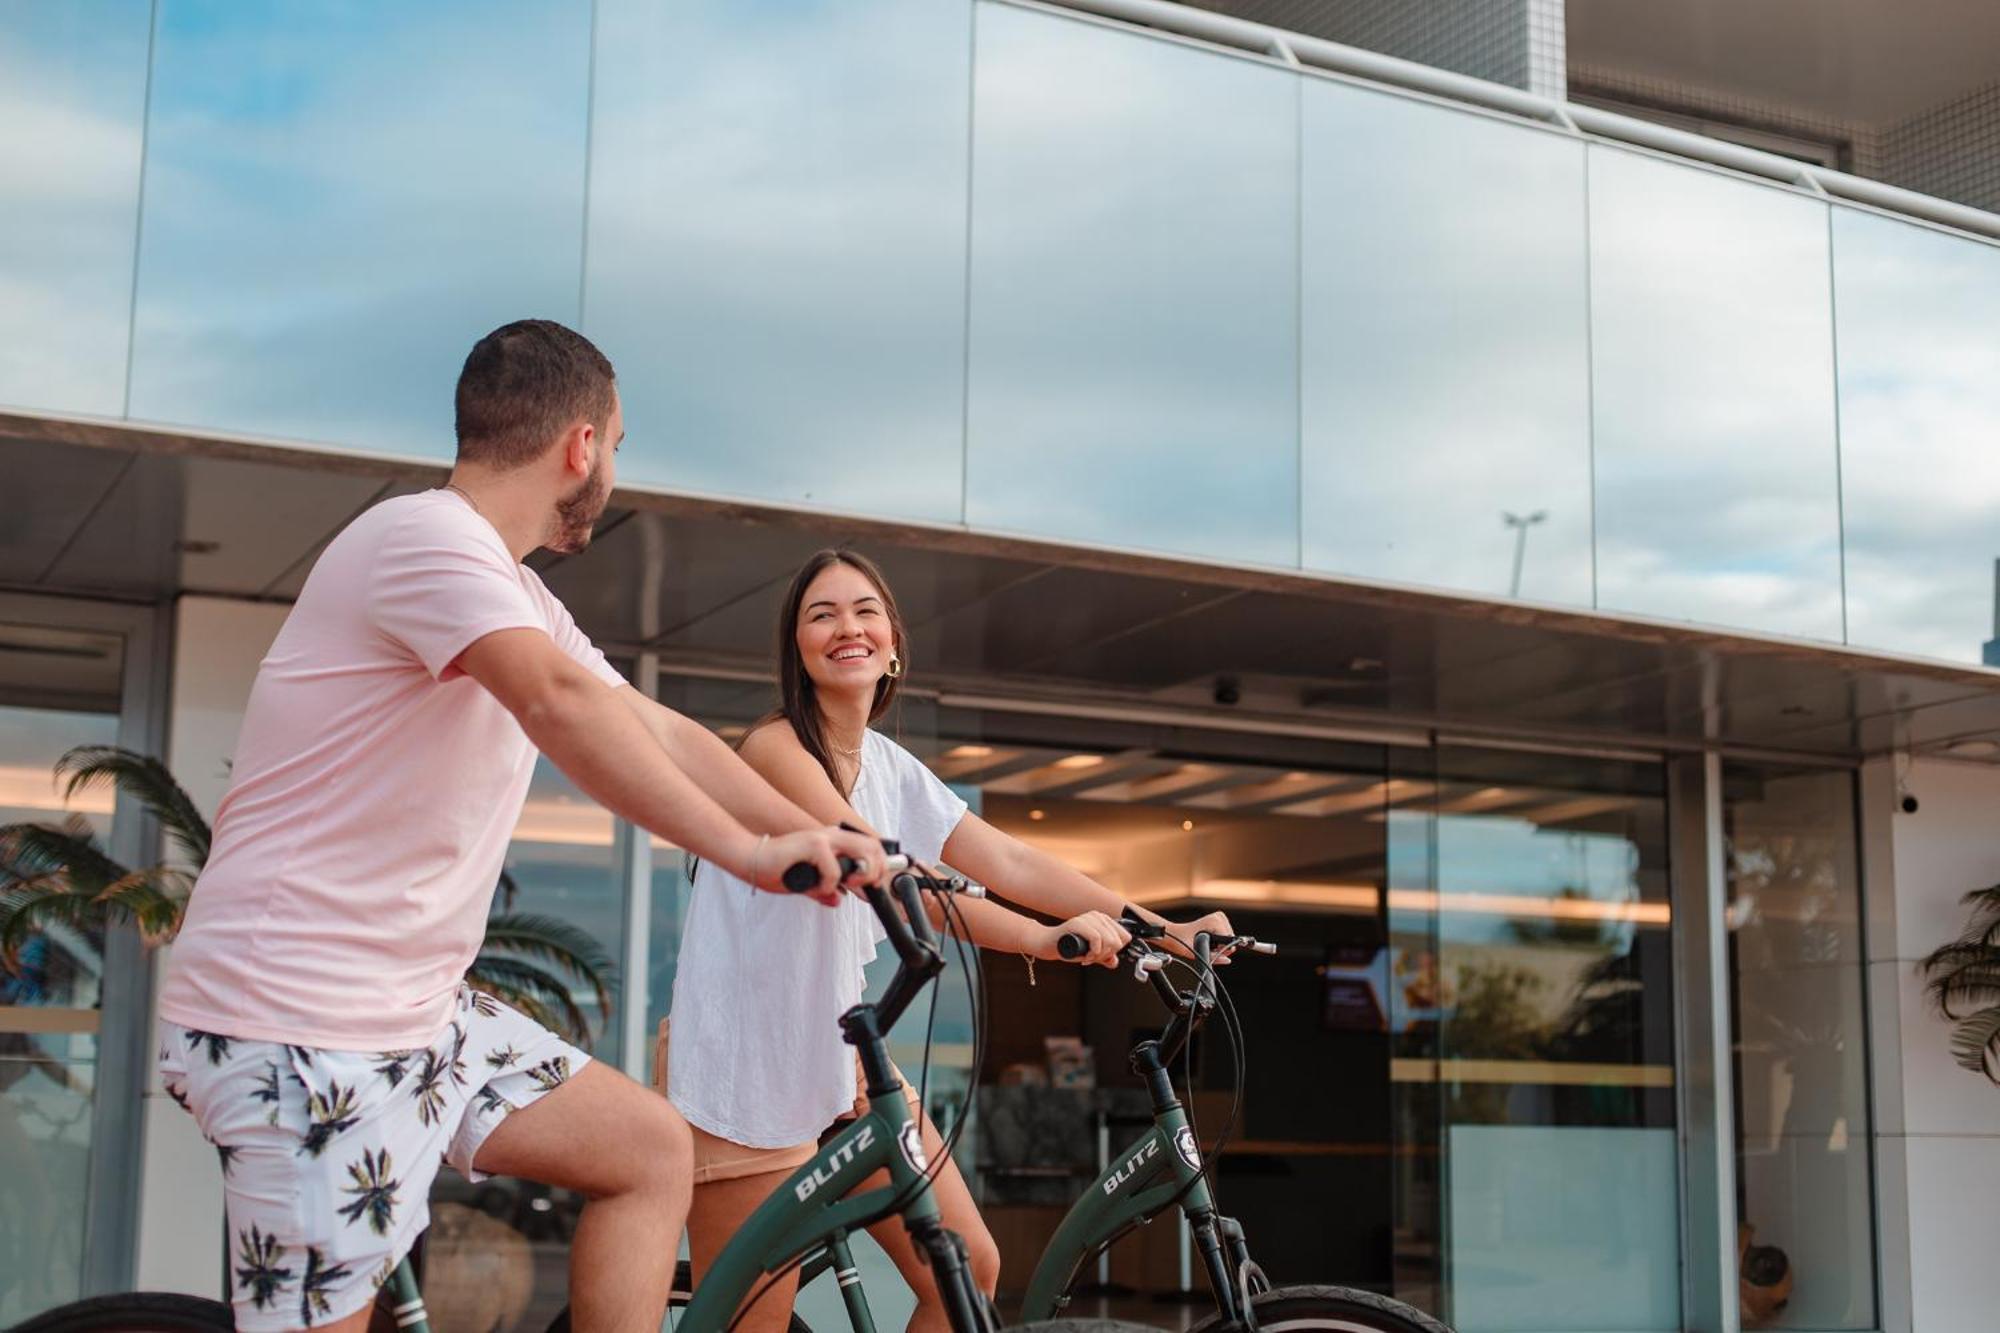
(315, 1017)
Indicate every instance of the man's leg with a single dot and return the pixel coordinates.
(625, 1149)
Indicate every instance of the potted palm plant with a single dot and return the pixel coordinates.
(59, 890)
(1963, 984)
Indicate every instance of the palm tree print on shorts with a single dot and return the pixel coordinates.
(479, 1002)
(492, 1102)
(312, 1288)
(331, 1114)
(259, 1266)
(427, 1088)
(374, 1191)
(395, 1065)
(267, 1091)
(218, 1047)
(551, 1074)
(457, 1062)
(503, 1057)
(228, 1156)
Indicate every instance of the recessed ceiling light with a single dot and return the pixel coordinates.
(1187, 826)
(971, 752)
(1080, 761)
(1038, 815)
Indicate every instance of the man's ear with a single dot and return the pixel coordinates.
(578, 443)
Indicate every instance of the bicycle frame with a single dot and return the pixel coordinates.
(812, 1209)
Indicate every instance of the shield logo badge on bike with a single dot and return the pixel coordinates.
(910, 1138)
(1184, 1144)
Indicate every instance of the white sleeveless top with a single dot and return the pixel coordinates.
(763, 978)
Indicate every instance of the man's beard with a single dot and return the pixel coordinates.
(578, 511)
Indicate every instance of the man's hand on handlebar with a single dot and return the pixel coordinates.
(1099, 935)
(823, 849)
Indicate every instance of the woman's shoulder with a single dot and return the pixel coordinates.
(768, 738)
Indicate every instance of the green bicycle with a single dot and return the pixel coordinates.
(1162, 1170)
(812, 1215)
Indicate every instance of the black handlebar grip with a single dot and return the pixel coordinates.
(1072, 945)
(803, 876)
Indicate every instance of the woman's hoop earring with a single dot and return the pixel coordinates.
(895, 671)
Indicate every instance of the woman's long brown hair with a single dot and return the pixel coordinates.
(798, 701)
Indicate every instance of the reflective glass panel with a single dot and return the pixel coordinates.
(1134, 371)
(1530, 918)
(1795, 956)
(50, 993)
(1919, 414)
(341, 199)
(1712, 363)
(497, 1252)
(72, 107)
(777, 247)
(1446, 380)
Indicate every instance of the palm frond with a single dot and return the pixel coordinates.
(533, 990)
(32, 850)
(155, 898)
(552, 940)
(33, 906)
(147, 781)
(1974, 1039)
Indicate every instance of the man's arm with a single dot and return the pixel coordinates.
(717, 769)
(580, 724)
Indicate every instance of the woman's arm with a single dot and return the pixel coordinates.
(774, 752)
(1033, 878)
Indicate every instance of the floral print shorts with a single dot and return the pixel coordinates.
(328, 1156)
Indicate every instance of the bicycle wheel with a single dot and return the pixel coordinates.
(1330, 1310)
(682, 1293)
(134, 1312)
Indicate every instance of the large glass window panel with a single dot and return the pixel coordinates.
(1537, 1044)
(1919, 413)
(72, 111)
(1713, 412)
(1796, 956)
(1446, 370)
(1134, 373)
(49, 995)
(340, 199)
(777, 247)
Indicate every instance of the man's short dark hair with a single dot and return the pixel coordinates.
(526, 383)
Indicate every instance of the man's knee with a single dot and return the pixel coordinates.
(665, 1148)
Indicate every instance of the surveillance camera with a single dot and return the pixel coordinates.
(1909, 802)
(1227, 692)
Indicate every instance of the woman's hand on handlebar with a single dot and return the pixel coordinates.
(1180, 935)
(1102, 937)
(822, 849)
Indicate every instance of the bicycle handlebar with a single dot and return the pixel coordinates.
(1073, 946)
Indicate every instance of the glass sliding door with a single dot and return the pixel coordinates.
(1801, 1075)
(64, 1080)
(1536, 1067)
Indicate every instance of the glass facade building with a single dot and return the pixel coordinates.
(1582, 522)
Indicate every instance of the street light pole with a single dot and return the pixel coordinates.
(1520, 526)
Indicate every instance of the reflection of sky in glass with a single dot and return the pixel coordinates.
(777, 246)
(1134, 268)
(340, 199)
(72, 97)
(1712, 357)
(1919, 323)
(1445, 372)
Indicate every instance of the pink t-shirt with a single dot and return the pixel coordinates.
(374, 790)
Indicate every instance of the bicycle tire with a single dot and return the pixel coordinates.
(682, 1293)
(1080, 1326)
(1317, 1309)
(134, 1312)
